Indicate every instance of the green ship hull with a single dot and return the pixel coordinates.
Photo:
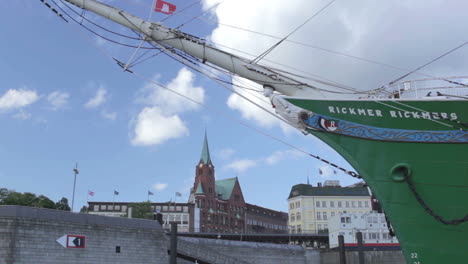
(436, 166)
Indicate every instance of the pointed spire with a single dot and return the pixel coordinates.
(205, 155)
(308, 182)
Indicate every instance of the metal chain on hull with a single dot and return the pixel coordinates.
(429, 210)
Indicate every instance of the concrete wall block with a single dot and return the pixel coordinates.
(33, 240)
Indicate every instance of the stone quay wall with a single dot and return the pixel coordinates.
(28, 236)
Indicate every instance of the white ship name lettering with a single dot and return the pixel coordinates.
(392, 113)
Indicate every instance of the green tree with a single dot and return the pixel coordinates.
(24, 199)
(8, 197)
(84, 209)
(4, 192)
(62, 205)
(44, 202)
(142, 210)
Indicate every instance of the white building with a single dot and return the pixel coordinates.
(372, 225)
(310, 207)
(184, 214)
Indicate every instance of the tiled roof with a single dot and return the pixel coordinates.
(205, 155)
(199, 189)
(225, 187)
(309, 190)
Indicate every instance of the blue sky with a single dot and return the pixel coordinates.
(62, 101)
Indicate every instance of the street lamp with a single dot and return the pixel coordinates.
(75, 170)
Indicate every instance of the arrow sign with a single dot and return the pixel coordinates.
(72, 241)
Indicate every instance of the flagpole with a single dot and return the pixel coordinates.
(113, 201)
(87, 200)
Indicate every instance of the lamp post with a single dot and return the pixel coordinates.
(75, 170)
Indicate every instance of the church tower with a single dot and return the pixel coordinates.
(219, 205)
(205, 173)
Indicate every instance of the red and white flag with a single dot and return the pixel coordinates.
(90, 193)
(164, 7)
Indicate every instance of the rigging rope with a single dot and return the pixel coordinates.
(92, 31)
(201, 14)
(256, 60)
(351, 173)
(424, 65)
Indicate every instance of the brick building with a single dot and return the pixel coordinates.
(221, 203)
(214, 206)
(263, 220)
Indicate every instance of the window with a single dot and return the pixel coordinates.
(385, 236)
(319, 226)
(332, 204)
(291, 206)
(325, 226)
(179, 208)
(292, 218)
(103, 207)
(339, 204)
(319, 216)
(346, 219)
(347, 204)
(298, 216)
(165, 207)
(185, 209)
(359, 204)
(366, 203)
(124, 208)
(317, 204)
(171, 208)
(332, 214)
(117, 208)
(324, 215)
(298, 204)
(324, 204)
(299, 229)
(353, 204)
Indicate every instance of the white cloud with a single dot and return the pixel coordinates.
(14, 99)
(58, 99)
(109, 115)
(278, 156)
(326, 171)
(226, 153)
(22, 115)
(153, 127)
(160, 186)
(98, 99)
(160, 121)
(170, 102)
(346, 27)
(241, 165)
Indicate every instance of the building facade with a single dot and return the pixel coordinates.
(222, 207)
(181, 213)
(373, 226)
(310, 208)
(214, 206)
(263, 220)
